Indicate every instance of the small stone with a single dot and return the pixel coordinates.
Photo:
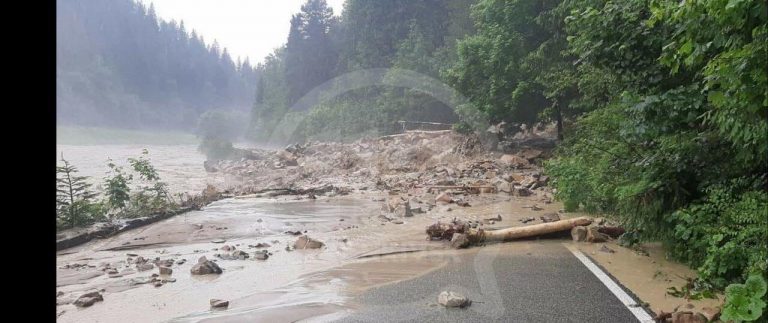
(165, 270)
(579, 233)
(168, 280)
(239, 254)
(158, 284)
(217, 303)
(397, 222)
(226, 248)
(451, 299)
(261, 255)
(551, 217)
(218, 240)
(181, 261)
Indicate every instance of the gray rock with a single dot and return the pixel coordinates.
(550, 217)
(88, 299)
(217, 303)
(305, 242)
(451, 299)
(205, 267)
(165, 270)
(261, 255)
(239, 254)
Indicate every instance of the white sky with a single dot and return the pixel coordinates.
(247, 28)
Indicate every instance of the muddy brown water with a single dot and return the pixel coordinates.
(289, 286)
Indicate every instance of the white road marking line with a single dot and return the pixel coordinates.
(627, 300)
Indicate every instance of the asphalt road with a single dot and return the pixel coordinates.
(545, 283)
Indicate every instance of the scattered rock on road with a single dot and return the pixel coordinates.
(88, 299)
(217, 303)
(451, 299)
(305, 242)
(165, 270)
(205, 267)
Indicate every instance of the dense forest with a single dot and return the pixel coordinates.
(401, 34)
(118, 65)
(664, 103)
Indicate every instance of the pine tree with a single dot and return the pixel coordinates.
(73, 195)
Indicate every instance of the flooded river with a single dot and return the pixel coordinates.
(181, 166)
(289, 286)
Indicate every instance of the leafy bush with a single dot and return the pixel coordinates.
(745, 302)
(726, 234)
(462, 128)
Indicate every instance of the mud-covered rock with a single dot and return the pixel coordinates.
(579, 233)
(305, 242)
(205, 267)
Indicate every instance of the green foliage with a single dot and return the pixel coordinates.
(745, 302)
(125, 198)
(726, 234)
(152, 195)
(694, 289)
(676, 146)
(74, 198)
(116, 187)
(462, 128)
(413, 35)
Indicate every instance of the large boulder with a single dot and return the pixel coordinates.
(594, 235)
(514, 161)
(205, 267)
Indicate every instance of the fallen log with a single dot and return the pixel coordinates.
(462, 235)
(449, 187)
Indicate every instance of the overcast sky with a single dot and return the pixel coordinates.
(247, 28)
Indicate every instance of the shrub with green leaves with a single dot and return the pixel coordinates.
(745, 302)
